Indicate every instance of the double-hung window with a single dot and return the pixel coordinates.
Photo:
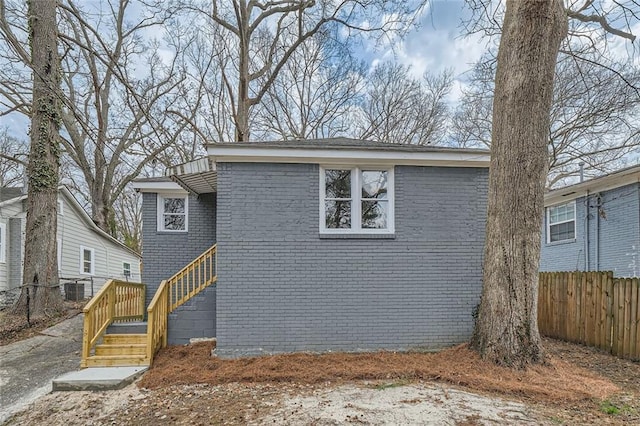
(87, 261)
(126, 269)
(172, 213)
(356, 200)
(561, 222)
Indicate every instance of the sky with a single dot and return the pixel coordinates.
(435, 44)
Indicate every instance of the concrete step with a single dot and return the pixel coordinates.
(116, 360)
(138, 327)
(97, 379)
(124, 339)
(121, 349)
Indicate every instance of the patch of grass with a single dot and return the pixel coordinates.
(613, 409)
(609, 407)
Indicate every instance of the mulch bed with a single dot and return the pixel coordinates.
(560, 379)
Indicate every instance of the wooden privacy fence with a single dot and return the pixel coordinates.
(592, 308)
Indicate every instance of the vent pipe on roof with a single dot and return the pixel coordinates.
(581, 164)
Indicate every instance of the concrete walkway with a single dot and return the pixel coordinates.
(28, 367)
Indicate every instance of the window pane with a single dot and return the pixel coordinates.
(338, 183)
(174, 205)
(174, 222)
(337, 214)
(561, 213)
(374, 214)
(563, 231)
(86, 264)
(374, 184)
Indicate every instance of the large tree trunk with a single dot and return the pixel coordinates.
(506, 328)
(40, 251)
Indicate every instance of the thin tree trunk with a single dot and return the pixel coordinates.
(242, 113)
(506, 329)
(40, 254)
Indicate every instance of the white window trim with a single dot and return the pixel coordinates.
(548, 217)
(160, 211)
(93, 260)
(3, 243)
(123, 269)
(356, 198)
(60, 207)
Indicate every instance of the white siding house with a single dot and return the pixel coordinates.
(85, 252)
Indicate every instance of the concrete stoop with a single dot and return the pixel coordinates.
(98, 379)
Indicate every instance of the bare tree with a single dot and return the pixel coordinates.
(13, 159)
(594, 115)
(40, 278)
(315, 94)
(400, 109)
(118, 84)
(115, 117)
(506, 328)
(259, 39)
(128, 218)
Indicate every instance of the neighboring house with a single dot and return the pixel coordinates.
(85, 252)
(322, 245)
(594, 225)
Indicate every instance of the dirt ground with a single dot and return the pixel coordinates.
(15, 327)
(579, 385)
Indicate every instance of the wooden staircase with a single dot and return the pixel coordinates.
(120, 303)
(120, 350)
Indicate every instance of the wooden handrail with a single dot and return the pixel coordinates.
(116, 301)
(175, 291)
(193, 278)
(157, 314)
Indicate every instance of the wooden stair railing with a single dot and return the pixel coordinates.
(117, 301)
(189, 281)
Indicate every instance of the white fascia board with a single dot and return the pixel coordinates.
(606, 183)
(348, 156)
(158, 187)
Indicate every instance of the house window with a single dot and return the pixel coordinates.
(126, 269)
(356, 200)
(3, 242)
(561, 222)
(87, 261)
(172, 213)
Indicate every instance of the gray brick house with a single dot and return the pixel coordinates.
(322, 245)
(594, 225)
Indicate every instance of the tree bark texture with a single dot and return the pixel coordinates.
(40, 255)
(506, 328)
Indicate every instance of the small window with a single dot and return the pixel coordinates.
(3, 242)
(126, 269)
(356, 200)
(172, 213)
(87, 261)
(561, 222)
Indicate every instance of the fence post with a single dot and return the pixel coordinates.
(28, 308)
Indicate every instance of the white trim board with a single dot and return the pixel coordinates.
(362, 157)
(158, 187)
